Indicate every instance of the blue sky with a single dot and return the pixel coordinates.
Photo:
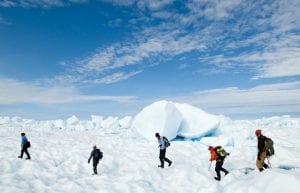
(112, 57)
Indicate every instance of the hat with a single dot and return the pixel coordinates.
(210, 148)
(258, 132)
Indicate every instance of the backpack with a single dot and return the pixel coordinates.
(98, 154)
(220, 152)
(27, 144)
(269, 146)
(167, 142)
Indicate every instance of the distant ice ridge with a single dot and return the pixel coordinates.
(174, 119)
(72, 123)
(188, 122)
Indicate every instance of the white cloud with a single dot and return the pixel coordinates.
(14, 92)
(7, 3)
(228, 35)
(115, 77)
(276, 98)
(38, 3)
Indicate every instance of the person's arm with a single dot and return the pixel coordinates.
(213, 156)
(160, 142)
(23, 141)
(260, 146)
(92, 154)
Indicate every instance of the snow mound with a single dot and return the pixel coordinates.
(161, 116)
(174, 119)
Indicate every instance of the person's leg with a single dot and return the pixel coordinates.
(162, 154)
(26, 152)
(95, 164)
(22, 152)
(223, 169)
(217, 169)
(167, 160)
(260, 162)
(263, 158)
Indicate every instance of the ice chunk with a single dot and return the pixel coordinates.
(72, 120)
(125, 122)
(196, 122)
(162, 117)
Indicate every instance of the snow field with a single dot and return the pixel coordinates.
(60, 150)
(59, 164)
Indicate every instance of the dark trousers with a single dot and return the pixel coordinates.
(24, 149)
(219, 164)
(95, 164)
(162, 157)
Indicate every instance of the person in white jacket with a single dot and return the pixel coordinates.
(162, 151)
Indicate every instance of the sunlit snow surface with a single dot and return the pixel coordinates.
(60, 150)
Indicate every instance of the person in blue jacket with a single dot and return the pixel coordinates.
(24, 146)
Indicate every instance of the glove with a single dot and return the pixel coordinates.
(88, 161)
(228, 153)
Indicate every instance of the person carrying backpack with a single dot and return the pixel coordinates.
(97, 155)
(163, 144)
(218, 153)
(25, 144)
(265, 149)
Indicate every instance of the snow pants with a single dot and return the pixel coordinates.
(95, 164)
(218, 168)
(24, 150)
(162, 157)
(260, 163)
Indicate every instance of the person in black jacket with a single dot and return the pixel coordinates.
(96, 154)
(25, 144)
(262, 153)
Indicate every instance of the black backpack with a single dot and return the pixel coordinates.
(220, 152)
(167, 142)
(98, 154)
(27, 144)
(269, 146)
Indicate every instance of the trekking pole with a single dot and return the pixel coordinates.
(209, 166)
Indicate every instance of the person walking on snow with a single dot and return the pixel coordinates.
(262, 152)
(163, 143)
(218, 154)
(96, 154)
(25, 144)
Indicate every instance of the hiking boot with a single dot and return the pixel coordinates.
(266, 166)
(218, 179)
(261, 169)
(170, 163)
(28, 158)
(160, 166)
(19, 157)
(226, 173)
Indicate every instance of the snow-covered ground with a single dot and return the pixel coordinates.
(60, 149)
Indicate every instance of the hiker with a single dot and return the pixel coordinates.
(96, 154)
(218, 153)
(25, 144)
(163, 144)
(265, 149)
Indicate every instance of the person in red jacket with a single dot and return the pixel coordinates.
(218, 154)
